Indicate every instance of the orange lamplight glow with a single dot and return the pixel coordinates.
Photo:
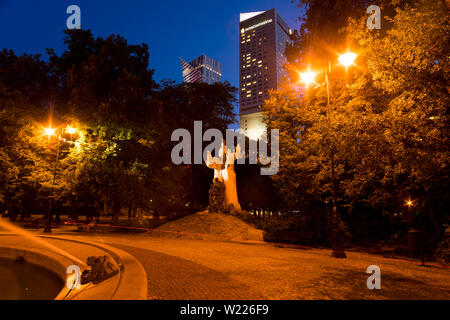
(347, 59)
(70, 130)
(49, 131)
(409, 203)
(307, 77)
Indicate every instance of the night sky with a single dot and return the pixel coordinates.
(170, 28)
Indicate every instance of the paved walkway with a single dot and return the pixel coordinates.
(201, 269)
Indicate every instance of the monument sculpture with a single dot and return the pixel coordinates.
(223, 196)
(101, 269)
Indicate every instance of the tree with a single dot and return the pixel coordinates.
(386, 125)
(410, 65)
(23, 82)
(180, 105)
(324, 32)
(103, 80)
(120, 154)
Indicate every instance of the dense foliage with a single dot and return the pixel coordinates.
(119, 156)
(387, 125)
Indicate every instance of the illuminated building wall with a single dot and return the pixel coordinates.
(202, 69)
(263, 39)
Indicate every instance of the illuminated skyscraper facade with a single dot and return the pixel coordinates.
(263, 39)
(202, 69)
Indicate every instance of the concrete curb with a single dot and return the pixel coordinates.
(133, 278)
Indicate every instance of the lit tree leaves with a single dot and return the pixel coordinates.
(387, 124)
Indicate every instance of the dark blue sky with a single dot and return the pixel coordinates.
(170, 28)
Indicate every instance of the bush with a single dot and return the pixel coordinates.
(442, 253)
(137, 225)
(248, 218)
(298, 222)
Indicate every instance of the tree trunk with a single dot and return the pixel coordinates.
(134, 210)
(58, 215)
(115, 213)
(13, 214)
(22, 213)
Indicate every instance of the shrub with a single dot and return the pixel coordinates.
(442, 253)
(135, 225)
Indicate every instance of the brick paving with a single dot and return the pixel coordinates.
(173, 278)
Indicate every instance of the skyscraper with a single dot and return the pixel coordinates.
(263, 39)
(202, 69)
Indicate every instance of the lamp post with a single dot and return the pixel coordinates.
(58, 132)
(346, 59)
(410, 204)
(416, 238)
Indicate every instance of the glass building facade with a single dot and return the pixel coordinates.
(202, 69)
(263, 39)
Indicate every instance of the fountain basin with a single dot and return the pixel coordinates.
(21, 280)
(129, 283)
(40, 263)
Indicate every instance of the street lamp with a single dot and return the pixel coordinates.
(409, 203)
(307, 77)
(346, 59)
(49, 131)
(416, 238)
(55, 132)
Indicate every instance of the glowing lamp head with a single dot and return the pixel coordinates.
(307, 77)
(49, 131)
(409, 203)
(347, 59)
